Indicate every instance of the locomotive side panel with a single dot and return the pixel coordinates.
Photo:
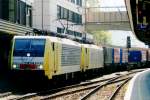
(70, 58)
(96, 58)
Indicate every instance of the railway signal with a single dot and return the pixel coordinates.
(128, 42)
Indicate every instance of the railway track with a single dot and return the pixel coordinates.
(73, 91)
(89, 95)
(11, 96)
(112, 97)
(82, 87)
(5, 94)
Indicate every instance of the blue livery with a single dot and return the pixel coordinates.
(135, 56)
(112, 55)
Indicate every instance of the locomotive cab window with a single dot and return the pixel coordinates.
(35, 47)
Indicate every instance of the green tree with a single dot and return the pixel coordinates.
(102, 37)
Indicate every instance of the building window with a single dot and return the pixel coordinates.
(63, 13)
(79, 2)
(29, 15)
(69, 32)
(80, 19)
(17, 11)
(21, 19)
(4, 9)
(73, 1)
(60, 30)
(70, 16)
(58, 12)
(78, 34)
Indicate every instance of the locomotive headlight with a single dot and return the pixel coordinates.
(41, 67)
(14, 66)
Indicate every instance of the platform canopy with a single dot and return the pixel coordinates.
(12, 28)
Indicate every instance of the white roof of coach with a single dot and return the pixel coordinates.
(53, 39)
(30, 37)
(96, 47)
(64, 41)
(70, 42)
(92, 46)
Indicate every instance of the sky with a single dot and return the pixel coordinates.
(119, 39)
(112, 3)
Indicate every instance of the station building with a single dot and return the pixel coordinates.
(59, 16)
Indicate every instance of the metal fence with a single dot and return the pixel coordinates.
(106, 14)
(107, 18)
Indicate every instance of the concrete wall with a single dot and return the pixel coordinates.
(49, 20)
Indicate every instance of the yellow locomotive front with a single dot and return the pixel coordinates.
(28, 53)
